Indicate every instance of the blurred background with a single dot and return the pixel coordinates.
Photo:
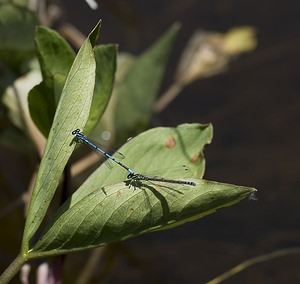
(253, 103)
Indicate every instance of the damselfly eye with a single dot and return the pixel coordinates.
(76, 131)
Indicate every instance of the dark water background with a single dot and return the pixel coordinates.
(254, 108)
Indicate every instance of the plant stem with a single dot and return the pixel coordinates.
(12, 269)
(167, 97)
(255, 260)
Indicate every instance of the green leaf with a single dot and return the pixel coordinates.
(56, 58)
(160, 149)
(42, 102)
(54, 53)
(17, 26)
(140, 86)
(94, 34)
(72, 112)
(118, 212)
(101, 212)
(105, 72)
(42, 106)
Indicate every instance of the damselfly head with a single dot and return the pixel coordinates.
(76, 131)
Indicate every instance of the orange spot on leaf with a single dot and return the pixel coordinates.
(170, 142)
(195, 158)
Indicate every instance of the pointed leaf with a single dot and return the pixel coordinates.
(72, 112)
(139, 88)
(94, 34)
(119, 212)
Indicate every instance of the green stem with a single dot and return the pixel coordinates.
(255, 260)
(12, 269)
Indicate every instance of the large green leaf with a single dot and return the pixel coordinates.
(161, 149)
(101, 212)
(118, 212)
(72, 112)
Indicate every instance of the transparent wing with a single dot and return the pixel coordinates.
(173, 172)
(105, 153)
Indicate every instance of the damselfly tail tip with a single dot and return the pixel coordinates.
(253, 196)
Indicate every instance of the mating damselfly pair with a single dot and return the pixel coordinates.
(81, 138)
